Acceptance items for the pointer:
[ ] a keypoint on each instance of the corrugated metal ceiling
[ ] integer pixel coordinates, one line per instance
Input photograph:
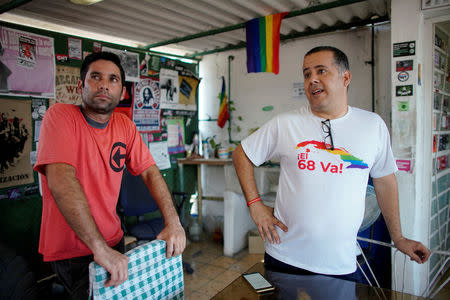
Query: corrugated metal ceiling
(150, 22)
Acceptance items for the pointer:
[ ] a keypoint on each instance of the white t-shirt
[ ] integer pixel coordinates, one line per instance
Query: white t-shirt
(321, 193)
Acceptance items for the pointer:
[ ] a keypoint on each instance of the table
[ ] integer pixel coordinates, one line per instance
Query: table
(307, 287)
(199, 162)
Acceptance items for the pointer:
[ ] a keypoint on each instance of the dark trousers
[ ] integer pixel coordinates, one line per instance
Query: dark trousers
(274, 264)
(74, 273)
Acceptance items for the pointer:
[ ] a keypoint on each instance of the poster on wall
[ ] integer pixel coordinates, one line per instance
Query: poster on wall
(129, 61)
(170, 88)
(175, 135)
(27, 64)
(146, 109)
(74, 46)
(188, 93)
(15, 138)
(66, 85)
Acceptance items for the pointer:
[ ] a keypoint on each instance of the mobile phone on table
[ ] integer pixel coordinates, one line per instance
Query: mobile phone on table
(258, 282)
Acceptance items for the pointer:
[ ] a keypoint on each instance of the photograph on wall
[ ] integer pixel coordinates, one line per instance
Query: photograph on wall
(175, 134)
(188, 93)
(146, 109)
(27, 64)
(74, 46)
(15, 138)
(66, 85)
(129, 61)
(170, 89)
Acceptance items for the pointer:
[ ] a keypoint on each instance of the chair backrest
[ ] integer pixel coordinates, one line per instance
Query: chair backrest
(151, 275)
(135, 198)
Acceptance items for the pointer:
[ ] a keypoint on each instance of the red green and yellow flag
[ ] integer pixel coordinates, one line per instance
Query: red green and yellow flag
(263, 43)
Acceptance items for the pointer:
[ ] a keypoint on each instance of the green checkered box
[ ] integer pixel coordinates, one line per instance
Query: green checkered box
(150, 275)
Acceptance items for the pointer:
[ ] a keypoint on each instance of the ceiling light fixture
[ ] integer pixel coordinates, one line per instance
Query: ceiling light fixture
(85, 2)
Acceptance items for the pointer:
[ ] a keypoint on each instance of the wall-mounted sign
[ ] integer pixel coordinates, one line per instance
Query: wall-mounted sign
(404, 48)
(404, 65)
(403, 76)
(404, 90)
(403, 105)
(404, 164)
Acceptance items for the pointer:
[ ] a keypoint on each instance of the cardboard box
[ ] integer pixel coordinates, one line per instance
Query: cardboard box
(255, 243)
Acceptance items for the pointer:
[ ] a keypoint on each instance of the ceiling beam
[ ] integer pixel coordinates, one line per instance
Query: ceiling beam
(295, 35)
(308, 10)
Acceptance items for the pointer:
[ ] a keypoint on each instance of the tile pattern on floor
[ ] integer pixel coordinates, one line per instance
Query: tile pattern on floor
(212, 270)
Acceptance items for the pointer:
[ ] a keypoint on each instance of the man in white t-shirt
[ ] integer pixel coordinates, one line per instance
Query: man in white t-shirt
(327, 152)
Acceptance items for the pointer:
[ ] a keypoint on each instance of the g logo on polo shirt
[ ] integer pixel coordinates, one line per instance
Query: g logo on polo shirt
(117, 156)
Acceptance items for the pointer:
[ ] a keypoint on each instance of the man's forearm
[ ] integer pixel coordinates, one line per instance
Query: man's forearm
(245, 172)
(386, 189)
(160, 192)
(71, 201)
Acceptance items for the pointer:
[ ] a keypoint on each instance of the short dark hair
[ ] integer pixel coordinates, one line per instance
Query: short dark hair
(340, 59)
(97, 56)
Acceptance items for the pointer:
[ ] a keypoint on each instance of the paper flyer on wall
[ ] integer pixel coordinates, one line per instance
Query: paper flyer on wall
(146, 109)
(74, 46)
(27, 64)
(15, 138)
(170, 88)
(175, 135)
(188, 93)
(129, 61)
(66, 85)
(160, 153)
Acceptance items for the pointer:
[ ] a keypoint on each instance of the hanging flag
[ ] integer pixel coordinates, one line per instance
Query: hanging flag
(223, 109)
(263, 43)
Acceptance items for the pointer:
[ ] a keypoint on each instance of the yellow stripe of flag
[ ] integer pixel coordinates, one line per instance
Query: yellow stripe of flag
(269, 43)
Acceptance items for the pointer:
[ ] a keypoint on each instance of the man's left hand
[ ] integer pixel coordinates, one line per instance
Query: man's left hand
(175, 238)
(415, 250)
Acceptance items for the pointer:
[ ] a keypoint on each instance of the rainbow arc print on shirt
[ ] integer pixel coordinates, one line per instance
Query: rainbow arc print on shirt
(355, 163)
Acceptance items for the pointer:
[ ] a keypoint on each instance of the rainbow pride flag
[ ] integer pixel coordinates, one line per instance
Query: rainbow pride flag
(223, 109)
(263, 43)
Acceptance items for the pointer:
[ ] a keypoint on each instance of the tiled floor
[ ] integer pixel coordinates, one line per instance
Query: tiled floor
(212, 270)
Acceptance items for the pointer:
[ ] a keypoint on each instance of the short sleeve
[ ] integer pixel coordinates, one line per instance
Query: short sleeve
(261, 145)
(138, 157)
(384, 163)
(56, 138)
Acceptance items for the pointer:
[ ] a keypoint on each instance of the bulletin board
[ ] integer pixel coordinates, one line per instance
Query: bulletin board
(51, 62)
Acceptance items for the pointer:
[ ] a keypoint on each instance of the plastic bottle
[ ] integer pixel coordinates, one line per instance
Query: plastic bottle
(205, 149)
(194, 229)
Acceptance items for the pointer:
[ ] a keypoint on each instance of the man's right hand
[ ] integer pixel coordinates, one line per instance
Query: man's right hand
(264, 219)
(115, 263)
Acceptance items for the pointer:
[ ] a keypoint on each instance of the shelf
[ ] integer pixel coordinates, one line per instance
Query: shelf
(441, 132)
(440, 112)
(443, 152)
(440, 174)
(438, 91)
(440, 50)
